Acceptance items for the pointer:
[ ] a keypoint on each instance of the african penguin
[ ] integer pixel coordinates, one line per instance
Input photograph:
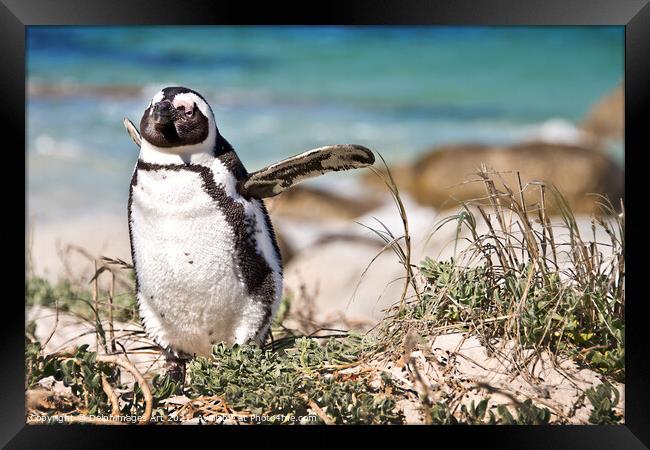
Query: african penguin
(206, 260)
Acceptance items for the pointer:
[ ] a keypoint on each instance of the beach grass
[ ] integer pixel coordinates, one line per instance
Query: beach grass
(517, 284)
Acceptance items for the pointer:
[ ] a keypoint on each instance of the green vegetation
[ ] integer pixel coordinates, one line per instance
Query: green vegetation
(526, 413)
(78, 371)
(83, 373)
(282, 384)
(602, 399)
(78, 301)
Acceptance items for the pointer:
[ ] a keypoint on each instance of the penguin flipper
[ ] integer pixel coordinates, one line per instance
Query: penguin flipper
(133, 131)
(274, 179)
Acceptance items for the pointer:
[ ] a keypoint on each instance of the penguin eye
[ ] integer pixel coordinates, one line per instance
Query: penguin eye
(190, 111)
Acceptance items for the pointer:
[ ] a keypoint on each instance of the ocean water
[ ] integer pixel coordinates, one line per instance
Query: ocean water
(278, 91)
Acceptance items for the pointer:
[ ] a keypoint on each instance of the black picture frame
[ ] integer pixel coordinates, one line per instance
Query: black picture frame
(634, 15)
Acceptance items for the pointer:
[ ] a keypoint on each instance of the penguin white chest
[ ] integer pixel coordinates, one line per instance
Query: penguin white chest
(189, 288)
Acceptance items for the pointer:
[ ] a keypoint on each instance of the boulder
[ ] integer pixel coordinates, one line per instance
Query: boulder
(448, 173)
(308, 203)
(402, 174)
(329, 279)
(286, 250)
(606, 119)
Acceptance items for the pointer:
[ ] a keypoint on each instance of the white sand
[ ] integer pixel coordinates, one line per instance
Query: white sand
(458, 364)
(53, 257)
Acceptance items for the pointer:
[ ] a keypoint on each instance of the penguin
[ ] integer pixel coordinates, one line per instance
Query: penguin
(207, 264)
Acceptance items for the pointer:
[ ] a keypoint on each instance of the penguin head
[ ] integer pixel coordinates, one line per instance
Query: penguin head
(178, 119)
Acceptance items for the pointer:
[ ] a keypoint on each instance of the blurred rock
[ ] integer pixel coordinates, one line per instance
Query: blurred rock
(338, 261)
(301, 234)
(58, 90)
(606, 120)
(328, 275)
(402, 174)
(449, 172)
(301, 202)
(286, 251)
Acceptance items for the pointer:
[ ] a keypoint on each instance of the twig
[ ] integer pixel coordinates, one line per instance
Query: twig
(95, 302)
(144, 385)
(56, 324)
(111, 330)
(112, 396)
(319, 412)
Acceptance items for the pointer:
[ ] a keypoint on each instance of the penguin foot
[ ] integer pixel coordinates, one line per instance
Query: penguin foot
(176, 370)
(175, 365)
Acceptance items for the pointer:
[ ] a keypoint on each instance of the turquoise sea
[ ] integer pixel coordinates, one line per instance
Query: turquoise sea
(277, 91)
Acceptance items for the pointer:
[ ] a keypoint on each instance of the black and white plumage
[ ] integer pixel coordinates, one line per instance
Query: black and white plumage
(207, 264)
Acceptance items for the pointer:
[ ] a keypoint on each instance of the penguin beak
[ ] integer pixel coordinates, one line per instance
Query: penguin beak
(164, 113)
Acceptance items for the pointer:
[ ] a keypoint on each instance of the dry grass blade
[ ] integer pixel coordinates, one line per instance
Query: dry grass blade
(117, 261)
(403, 252)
